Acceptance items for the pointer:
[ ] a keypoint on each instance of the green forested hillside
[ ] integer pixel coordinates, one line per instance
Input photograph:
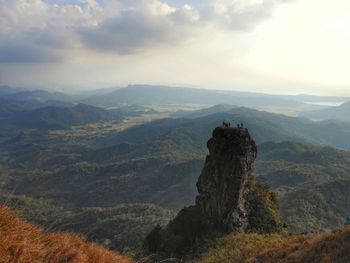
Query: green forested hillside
(36, 210)
(159, 162)
(262, 125)
(290, 164)
(312, 182)
(122, 227)
(314, 207)
(38, 95)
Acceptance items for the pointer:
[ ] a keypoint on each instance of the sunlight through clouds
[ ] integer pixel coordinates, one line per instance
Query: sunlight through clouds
(261, 45)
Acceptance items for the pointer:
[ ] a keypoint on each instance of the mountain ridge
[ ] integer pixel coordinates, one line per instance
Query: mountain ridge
(340, 113)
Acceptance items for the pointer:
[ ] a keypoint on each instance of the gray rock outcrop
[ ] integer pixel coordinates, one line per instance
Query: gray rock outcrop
(223, 183)
(229, 199)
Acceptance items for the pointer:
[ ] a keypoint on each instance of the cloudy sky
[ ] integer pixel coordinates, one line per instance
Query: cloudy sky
(275, 46)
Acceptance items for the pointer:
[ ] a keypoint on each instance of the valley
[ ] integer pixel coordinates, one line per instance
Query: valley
(113, 180)
(174, 131)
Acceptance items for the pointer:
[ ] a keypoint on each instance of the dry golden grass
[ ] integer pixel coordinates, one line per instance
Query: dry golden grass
(240, 248)
(327, 247)
(21, 242)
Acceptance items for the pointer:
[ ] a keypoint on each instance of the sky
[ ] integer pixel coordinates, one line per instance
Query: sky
(272, 46)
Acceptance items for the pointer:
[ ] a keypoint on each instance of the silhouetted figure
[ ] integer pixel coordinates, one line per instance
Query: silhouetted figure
(238, 125)
(225, 124)
(242, 125)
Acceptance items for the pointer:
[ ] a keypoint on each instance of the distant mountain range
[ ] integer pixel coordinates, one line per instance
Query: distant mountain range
(43, 110)
(202, 112)
(263, 126)
(7, 90)
(144, 94)
(341, 113)
(20, 94)
(165, 95)
(54, 117)
(8, 107)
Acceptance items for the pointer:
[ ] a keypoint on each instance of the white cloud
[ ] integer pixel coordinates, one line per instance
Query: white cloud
(28, 26)
(242, 14)
(138, 26)
(255, 44)
(113, 26)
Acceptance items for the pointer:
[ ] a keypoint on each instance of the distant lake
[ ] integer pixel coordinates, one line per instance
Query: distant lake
(326, 103)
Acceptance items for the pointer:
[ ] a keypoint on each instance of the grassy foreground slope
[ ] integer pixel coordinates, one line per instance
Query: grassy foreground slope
(122, 227)
(239, 248)
(326, 247)
(23, 242)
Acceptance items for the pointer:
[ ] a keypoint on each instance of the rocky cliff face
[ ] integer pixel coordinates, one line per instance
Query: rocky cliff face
(229, 199)
(223, 183)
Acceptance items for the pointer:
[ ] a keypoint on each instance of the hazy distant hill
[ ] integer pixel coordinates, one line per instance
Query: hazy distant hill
(53, 117)
(320, 99)
(341, 113)
(7, 90)
(262, 125)
(203, 112)
(34, 95)
(145, 94)
(165, 95)
(8, 107)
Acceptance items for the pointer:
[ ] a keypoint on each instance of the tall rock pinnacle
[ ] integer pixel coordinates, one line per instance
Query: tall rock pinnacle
(222, 185)
(229, 199)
